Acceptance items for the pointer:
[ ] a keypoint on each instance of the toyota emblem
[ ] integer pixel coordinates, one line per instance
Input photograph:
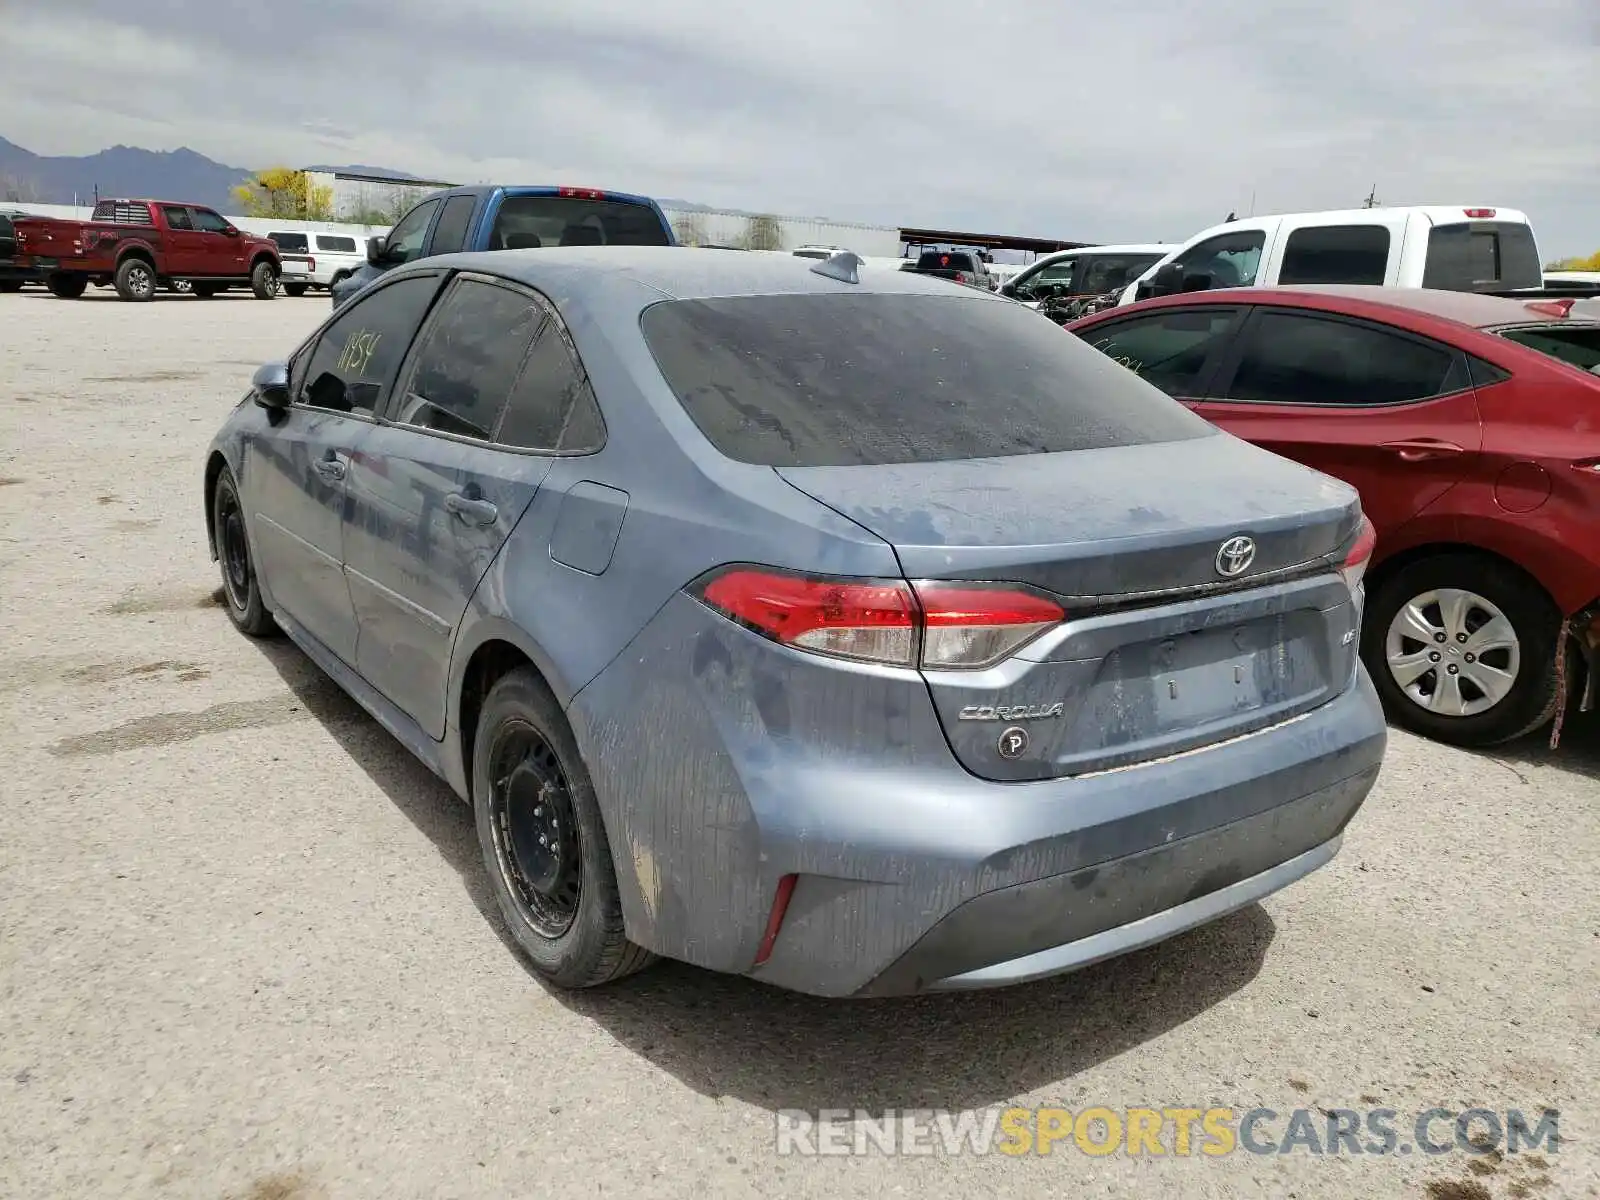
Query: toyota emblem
(1235, 555)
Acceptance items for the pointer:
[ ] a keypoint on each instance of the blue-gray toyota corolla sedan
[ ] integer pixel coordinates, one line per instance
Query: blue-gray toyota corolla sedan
(853, 632)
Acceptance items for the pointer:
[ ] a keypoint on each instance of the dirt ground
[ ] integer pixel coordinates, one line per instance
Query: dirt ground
(247, 948)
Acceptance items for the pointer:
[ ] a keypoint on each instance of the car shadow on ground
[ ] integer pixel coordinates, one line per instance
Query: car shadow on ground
(728, 1036)
(1578, 750)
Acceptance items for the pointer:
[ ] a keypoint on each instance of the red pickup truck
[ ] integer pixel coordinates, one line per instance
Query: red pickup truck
(142, 245)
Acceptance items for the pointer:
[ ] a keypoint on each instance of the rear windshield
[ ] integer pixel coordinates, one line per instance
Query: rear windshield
(532, 222)
(842, 380)
(945, 260)
(1478, 256)
(1578, 345)
(290, 243)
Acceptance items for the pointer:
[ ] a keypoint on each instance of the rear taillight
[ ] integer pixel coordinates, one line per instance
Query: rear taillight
(311, 264)
(934, 624)
(1359, 554)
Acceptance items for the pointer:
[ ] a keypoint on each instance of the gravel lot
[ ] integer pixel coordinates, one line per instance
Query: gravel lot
(247, 948)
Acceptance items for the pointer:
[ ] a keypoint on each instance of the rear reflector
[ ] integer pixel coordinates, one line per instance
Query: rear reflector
(935, 624)
(1359, 554)
(780, 906)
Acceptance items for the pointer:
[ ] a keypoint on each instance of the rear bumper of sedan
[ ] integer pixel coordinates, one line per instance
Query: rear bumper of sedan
(724, 764)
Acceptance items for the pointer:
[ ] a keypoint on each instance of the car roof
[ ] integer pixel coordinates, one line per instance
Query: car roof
(591, 273)
(1464, 308)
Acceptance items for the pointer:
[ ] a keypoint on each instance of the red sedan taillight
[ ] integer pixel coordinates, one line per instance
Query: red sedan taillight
(934, 624)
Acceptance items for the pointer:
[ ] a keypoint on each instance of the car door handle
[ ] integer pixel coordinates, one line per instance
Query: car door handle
(470, 509)
(331, 469)
(1421, 449)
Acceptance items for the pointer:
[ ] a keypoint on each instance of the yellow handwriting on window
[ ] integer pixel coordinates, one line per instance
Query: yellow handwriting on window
(359, 348)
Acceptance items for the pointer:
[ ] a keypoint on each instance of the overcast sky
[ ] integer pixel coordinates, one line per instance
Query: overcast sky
(1133, 120)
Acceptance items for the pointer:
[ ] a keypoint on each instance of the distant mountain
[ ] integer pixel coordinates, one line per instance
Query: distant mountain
(119, 171)
(131, 171)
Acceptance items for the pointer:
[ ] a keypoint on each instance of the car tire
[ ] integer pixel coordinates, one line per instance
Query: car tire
(136, 280)
(264, 281)
(1478, 589)
(295, 290)
(241, 591)
(529, 783)
(67, 287)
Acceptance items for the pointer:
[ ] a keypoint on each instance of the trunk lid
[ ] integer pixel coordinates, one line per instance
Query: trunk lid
(1160, 652)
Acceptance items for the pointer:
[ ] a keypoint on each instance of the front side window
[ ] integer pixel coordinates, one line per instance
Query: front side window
(469, 359)
(1228, 260)
(1169, 349)
(356, 358)
(177, 218)
(844, 380)
(208, 221)
(1292, 358)
(1047, 278)
(405, 239)
(1336, 254)
(1112, 272)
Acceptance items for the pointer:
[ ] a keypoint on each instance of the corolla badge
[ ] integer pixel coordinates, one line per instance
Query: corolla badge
(1235, 555)
(1012, 712)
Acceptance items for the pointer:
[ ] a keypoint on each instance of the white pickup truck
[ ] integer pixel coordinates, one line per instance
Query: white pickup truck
(1465, 249)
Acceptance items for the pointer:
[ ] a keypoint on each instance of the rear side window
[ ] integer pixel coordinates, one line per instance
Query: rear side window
(469, 360)
(552, 407)
(842, 380)
(177, 218)
(336, 245)
(289, 243)
(450, 234)
(1290, 358)
(530, 222)
(359, 354)
(1575, 345)
(1336, 254)
(1474, 256)
(1168, 349)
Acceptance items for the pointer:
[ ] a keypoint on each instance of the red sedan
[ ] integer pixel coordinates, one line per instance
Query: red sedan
(1471, 427)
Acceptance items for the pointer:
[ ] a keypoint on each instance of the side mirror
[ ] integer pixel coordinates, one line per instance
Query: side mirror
(269, 386)
(230, 231)
(1168, 280)
(377, 250)
(1008, 289)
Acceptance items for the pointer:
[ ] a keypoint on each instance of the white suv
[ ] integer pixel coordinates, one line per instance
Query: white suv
(316, 260)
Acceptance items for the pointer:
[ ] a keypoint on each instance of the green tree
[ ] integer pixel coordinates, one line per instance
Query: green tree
(284, 193)
(1592, 263)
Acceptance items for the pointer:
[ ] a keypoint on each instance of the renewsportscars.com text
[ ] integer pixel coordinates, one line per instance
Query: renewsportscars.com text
(1179, 1132)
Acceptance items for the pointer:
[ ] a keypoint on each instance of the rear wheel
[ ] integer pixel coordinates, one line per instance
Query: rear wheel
(1462, 649)
(543, 841)
(294, 289)
(264, 281)
(136, 280)
(67, 287)
(240, 590)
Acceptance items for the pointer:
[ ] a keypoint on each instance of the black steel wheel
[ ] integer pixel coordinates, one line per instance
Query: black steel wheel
(241, 592)
(543, 840)
(535, 831)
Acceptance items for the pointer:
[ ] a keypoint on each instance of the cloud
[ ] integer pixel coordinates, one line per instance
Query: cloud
(1141, 121)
